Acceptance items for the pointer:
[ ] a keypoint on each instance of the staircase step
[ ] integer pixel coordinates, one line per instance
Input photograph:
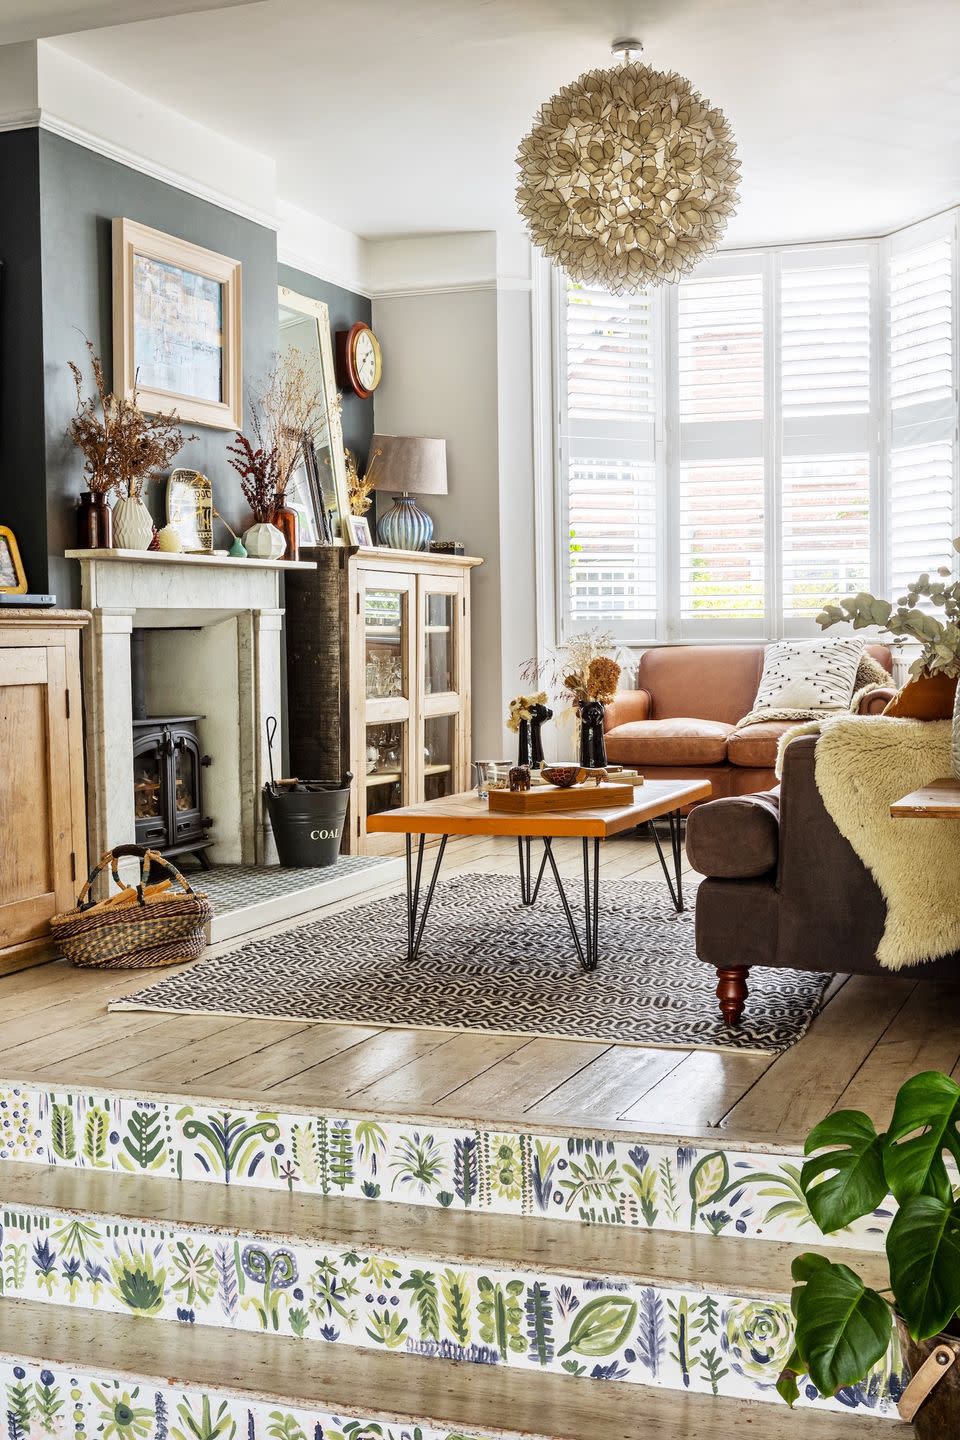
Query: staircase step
(655, 1309)
(111, 1376)
(554, 1173)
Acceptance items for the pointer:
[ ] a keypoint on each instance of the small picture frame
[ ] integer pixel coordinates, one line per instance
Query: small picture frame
(13, 580)
(360, 530)
(190, 510)
(301, 496)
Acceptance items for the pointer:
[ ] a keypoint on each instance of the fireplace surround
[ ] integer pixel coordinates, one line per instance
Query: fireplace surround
(214, 657)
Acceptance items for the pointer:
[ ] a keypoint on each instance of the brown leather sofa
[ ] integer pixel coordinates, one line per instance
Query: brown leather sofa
(784, 887)
(679, 723)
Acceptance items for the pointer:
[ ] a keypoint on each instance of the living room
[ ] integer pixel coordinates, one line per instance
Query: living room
(479, 639)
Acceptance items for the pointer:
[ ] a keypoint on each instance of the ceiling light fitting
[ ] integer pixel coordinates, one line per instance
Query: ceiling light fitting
(628, 177)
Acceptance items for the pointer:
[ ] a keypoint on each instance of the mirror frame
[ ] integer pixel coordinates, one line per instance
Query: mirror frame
(320, 312)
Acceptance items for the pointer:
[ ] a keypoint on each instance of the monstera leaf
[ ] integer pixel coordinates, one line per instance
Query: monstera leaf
(923, 1248)
(843, 1328)
(928, 1103)
(848, 1181)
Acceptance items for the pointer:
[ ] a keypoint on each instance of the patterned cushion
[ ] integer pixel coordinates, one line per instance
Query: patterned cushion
(809, 675)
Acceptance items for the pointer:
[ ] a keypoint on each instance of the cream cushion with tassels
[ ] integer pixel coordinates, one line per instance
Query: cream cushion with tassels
(863, 764)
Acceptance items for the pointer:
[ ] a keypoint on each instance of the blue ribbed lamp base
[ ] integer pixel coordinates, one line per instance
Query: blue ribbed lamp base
(406, 526)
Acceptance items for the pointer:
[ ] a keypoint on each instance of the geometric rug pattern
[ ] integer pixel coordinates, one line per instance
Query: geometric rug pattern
(489, 963)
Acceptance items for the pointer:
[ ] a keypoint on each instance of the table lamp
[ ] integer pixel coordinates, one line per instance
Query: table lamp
(407, 465)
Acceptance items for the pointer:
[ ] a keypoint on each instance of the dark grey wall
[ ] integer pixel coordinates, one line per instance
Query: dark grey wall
(346, 309)
(22, 484)
(80, 193)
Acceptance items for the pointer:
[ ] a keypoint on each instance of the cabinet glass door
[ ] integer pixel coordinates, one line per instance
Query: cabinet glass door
(385, 683)
(385, 623)
(440, 746)
(442, 611)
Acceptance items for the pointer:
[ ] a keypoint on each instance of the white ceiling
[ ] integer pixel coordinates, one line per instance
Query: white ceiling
(401, 118)
(33, 19)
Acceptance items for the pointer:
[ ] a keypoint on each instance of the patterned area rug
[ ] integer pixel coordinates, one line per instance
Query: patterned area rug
(489, 964)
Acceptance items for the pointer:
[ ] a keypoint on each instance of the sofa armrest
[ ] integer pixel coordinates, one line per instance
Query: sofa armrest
(627, 705)
(877, 701)
(736, 838)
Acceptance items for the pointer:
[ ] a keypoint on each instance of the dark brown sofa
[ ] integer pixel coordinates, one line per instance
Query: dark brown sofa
(784, 887)
(679, 723)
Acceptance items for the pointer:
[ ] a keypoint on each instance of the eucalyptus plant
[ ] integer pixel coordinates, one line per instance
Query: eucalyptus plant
(842, 1326)
(939, 639)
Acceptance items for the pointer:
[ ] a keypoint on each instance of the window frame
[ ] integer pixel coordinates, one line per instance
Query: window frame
(875, 427)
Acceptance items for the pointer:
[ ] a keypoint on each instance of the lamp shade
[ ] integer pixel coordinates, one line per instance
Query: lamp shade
(408, 464)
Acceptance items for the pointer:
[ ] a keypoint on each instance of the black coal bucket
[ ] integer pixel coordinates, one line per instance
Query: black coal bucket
(307, 824)
(306, 815)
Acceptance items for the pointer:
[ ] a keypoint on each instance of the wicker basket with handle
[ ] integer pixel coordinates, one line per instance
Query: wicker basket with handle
(143, 927)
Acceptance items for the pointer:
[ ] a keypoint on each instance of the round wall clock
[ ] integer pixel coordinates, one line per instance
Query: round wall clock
(359, 359)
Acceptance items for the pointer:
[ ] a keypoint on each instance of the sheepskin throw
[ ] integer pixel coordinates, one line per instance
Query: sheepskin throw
(863, 764)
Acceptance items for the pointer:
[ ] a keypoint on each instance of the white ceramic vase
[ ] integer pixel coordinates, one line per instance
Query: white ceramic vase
(264, 542)
(132, 526)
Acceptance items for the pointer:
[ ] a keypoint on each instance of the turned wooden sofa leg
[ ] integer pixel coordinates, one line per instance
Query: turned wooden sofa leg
(732, 991)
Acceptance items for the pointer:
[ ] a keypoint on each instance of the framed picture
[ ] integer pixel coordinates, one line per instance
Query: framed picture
(13, 581)
(360, 530)
(190, 510)
(303, 325)
(177, 332)
(301, 495)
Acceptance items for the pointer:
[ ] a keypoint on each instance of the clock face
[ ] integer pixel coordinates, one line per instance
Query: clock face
(366, 359)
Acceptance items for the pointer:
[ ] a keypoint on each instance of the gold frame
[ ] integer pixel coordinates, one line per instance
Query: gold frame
(318, 311)
(130, 239)
(7, 535)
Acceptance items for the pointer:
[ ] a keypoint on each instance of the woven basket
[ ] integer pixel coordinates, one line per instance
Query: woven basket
(138, 929)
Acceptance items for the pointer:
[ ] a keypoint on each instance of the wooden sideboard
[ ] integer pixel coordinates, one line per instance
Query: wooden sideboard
(378, 679)
(42, 813)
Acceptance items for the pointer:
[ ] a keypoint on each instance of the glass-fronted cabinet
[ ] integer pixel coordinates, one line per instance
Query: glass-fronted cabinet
(409, 684)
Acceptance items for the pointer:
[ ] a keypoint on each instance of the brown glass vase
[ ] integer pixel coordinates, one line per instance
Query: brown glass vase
(94, 522)
(287, 522)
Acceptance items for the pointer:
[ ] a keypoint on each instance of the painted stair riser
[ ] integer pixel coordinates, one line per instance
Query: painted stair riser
(548, 1322)
(641, 1183)
(42, 1402)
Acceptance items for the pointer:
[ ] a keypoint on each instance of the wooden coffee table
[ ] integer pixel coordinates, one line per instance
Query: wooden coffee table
(469, 815)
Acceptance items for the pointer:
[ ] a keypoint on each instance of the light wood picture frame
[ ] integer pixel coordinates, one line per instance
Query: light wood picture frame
(177, 326)
(13, 579)
(304, 324)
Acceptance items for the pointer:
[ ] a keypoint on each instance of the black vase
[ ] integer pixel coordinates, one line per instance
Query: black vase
(524, 746)
(593, 751)
(539, 713)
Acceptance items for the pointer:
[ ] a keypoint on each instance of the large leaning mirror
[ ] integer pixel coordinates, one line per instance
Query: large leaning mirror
(318, 491)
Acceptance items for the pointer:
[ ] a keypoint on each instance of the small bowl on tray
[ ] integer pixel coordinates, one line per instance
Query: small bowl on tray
(566, 773)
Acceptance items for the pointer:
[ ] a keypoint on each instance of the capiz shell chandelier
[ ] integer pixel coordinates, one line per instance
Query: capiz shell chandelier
(628, 176)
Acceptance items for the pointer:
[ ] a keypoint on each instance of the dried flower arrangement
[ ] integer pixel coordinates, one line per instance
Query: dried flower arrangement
(124, 448)
(939, 640)
(360, 487)
(521, 708)
(288, 414)
(583, 666)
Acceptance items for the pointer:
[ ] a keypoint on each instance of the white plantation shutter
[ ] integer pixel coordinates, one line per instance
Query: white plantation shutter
(828, 428)
(720, 484)
(921, 360)
(609, 503)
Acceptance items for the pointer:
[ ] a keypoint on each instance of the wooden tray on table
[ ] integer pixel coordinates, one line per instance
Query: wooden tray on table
(546, 798)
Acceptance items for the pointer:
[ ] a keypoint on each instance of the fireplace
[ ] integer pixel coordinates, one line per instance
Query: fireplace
(168, 786)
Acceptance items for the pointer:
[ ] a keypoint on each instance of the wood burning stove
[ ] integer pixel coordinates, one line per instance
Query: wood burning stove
(168, 787)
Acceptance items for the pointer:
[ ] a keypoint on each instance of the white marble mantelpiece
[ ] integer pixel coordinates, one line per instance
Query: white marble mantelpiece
(221, 660)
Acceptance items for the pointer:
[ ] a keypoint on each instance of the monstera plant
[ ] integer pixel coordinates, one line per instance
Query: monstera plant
(843, 1327)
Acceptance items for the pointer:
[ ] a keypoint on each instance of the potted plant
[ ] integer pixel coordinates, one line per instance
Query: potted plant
(287, 417)
(123, 449)
(929, 694)
(584, 670)
(843, 1327)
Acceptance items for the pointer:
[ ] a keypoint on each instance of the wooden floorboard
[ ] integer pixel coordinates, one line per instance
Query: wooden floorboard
(872, 1033)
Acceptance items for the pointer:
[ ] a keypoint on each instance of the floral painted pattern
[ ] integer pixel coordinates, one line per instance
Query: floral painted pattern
(600, 1327)
(637, 1184)
(42, 1402)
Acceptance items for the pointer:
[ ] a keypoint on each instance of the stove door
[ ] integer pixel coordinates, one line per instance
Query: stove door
(149, 790)
(187, 790)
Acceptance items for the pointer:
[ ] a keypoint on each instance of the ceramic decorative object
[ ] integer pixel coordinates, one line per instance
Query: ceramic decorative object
(539, 714)
(132, 525)
(264, 542)
(169, 540)
(593, 751)
(562, 775)
(237, 551)
(925, 697)
(406, 526)
(519, 777)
